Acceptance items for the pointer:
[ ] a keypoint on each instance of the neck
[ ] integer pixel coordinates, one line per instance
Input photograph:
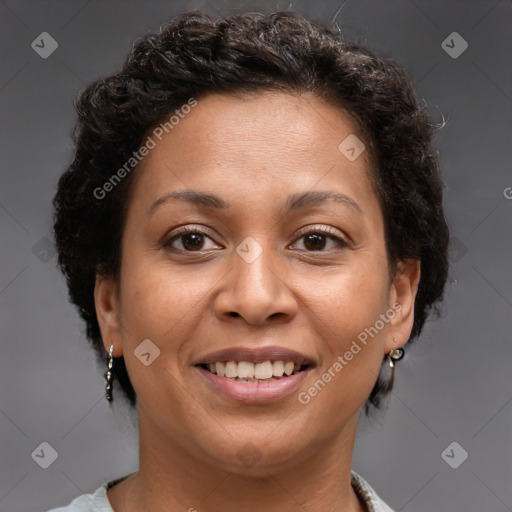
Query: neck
(170, 478)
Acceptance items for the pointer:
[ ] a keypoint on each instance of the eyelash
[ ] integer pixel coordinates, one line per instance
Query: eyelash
(326, 231)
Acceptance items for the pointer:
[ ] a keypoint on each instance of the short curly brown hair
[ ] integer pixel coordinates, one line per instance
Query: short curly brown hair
(197, 54)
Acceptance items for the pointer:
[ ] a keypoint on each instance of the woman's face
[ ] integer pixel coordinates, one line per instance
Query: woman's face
(258, 281)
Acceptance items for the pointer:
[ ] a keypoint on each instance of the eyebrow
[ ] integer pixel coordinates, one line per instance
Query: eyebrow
(294, 202)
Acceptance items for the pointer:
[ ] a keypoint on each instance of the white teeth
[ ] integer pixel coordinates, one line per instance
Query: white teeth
(263, 370)
(220, 368)
(231, 370)
(250, 372)
(278, 368)
(288, 368)
(246, 370)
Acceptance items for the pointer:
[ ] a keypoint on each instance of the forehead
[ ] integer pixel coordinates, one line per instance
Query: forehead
(255, 146)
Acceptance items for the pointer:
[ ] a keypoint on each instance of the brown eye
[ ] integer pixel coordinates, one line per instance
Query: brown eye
(190, 239)
(317, 239)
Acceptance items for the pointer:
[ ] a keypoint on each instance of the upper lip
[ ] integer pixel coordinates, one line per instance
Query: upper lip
(256, 355)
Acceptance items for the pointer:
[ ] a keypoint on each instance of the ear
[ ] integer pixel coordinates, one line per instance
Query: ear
(402, 298)
(107, 306)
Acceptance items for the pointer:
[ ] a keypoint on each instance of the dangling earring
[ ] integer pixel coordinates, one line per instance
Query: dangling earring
(395, 355)
(109, 375)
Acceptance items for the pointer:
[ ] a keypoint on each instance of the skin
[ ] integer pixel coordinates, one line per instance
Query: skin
(252, 152)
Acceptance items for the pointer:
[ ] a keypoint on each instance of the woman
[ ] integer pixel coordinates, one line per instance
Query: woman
(252, 229)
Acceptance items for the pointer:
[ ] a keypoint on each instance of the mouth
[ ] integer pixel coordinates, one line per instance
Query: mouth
(246, 371)
(253, 376)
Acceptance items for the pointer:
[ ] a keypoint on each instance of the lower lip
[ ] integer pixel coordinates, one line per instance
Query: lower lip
(254, 392)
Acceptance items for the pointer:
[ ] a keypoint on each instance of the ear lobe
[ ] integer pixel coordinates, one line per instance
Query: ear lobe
(403, 291)
(107, 311)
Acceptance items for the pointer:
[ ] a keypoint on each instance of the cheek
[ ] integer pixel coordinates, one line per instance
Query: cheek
(166, 306)
(353, 298)
(156, 297)
(349, 310)
(156, 305)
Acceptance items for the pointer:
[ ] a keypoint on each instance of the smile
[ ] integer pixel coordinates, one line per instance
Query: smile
(254, 375)
(245, 371)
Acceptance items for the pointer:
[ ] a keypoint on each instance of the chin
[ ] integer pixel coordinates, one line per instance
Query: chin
(259, 456)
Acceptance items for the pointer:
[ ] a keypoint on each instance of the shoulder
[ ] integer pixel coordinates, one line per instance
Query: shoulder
(95, 502)
(373, 501)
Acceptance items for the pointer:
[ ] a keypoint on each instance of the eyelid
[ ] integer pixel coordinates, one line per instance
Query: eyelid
(192, 227)
(328, 230)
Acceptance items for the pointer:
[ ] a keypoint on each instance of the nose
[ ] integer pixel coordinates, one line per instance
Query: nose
(257, 291)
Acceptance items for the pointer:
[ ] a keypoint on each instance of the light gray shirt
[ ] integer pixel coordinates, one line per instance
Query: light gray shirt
(98, 501)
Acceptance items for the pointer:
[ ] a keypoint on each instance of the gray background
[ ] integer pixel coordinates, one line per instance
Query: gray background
(454, 385)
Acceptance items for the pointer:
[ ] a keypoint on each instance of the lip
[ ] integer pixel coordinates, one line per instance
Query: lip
(253, 392)
(256, 355)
